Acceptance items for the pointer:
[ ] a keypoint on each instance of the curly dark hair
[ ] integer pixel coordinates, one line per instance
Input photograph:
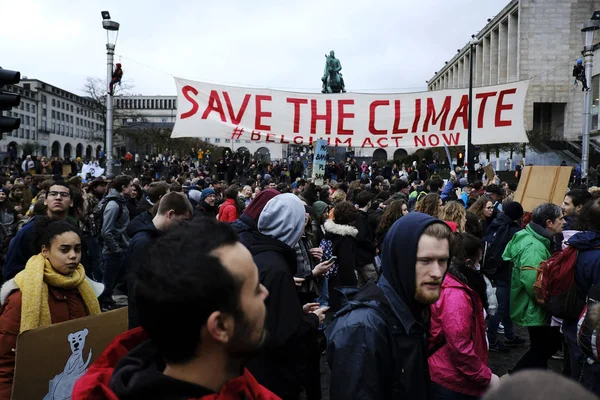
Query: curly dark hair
(345, 213)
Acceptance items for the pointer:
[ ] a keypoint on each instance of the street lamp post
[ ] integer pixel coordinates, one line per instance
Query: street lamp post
(112, 32)
(469, 150)
(589, 29)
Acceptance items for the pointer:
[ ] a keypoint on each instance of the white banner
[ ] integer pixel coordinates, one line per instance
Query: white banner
(319, 162)
(410, 120)
(93, 169)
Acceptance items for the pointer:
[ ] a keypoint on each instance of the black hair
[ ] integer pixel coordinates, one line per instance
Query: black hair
(120, 181)
(579, 197)
(589, 218)
(435, 185)
(182, 284)
(46, 229)
(63, 184)
(363, 198)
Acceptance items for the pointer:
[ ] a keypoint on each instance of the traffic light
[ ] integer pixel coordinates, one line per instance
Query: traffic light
(460, 159)
(9, 100)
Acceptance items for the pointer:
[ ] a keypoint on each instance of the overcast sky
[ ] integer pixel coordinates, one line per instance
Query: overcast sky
(382, 44)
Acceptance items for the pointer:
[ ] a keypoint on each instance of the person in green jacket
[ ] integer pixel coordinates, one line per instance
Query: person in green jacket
(527, 249)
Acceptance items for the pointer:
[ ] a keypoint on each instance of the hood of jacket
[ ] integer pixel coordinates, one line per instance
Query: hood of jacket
(256, 206)
(113, 194)
(500, 221)
(283, 219)
(142, 223)
(399, 257)
(340, 230)
(585, 240)
(131, 368)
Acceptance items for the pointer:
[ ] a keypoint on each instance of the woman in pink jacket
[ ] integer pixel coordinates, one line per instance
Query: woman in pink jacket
(458, 345)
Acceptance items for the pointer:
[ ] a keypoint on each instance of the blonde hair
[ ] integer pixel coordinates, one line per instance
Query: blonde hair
(455, 212)
(338, 196)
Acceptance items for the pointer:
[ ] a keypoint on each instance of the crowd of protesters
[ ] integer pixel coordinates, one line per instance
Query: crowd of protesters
(240, 276)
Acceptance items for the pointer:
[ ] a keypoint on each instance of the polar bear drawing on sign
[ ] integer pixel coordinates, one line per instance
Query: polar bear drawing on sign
(61, 386)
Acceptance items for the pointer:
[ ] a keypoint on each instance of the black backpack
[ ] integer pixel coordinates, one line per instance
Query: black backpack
(96, 218)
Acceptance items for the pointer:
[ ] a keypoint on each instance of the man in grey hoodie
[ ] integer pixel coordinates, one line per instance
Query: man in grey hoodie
(114, 237)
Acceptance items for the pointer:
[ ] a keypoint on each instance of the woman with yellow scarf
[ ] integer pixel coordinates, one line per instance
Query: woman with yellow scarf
(52, 288)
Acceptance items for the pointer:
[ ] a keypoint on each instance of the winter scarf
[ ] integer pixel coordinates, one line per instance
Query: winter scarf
(33, 283)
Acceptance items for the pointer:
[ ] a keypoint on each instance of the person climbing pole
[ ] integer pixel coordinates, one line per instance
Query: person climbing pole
(579, 74)
(116, 78)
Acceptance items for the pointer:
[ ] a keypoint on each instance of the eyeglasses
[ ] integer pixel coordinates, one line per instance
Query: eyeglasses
(59, 194)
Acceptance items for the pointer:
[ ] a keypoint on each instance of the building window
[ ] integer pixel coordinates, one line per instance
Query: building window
(27, 120)
(32, 108)
(71, 107)
(53, 127)
(21, 132)
(44, 125)
(71, 119)
(53, 102)
(217, 140)
(27, 133)
(53, 114)
(227, 140)
(27, 107)
(44, 98)
(22, 107)
(33, 121)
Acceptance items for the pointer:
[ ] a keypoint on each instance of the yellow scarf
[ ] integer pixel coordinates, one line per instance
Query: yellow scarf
(33, 283)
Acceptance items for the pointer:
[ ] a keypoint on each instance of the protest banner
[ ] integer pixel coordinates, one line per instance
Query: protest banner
(49, 360)
(408, 120)
(539, 185)
(319, 162)
(93, 169)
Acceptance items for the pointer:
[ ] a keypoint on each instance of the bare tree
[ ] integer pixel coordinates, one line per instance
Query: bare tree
(97, 90)
(149, 139)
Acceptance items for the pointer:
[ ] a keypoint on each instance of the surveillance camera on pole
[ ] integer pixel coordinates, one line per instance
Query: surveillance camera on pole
(9, 100)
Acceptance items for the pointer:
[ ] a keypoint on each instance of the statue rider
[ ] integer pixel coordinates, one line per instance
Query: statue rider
(332, 71)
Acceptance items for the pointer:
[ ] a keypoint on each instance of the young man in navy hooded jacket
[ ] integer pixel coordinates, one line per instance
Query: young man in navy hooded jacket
(377, 346)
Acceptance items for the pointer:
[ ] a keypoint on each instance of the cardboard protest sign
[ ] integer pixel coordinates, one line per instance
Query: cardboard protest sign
(66, 170)
(49, 360)
(540, 185)
(319, 162)
(366, 120)
(489, 172)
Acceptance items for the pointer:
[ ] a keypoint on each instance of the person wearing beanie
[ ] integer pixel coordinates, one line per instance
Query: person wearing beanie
(207, 207)
(282, 364)
(514, 211)
(500, 232)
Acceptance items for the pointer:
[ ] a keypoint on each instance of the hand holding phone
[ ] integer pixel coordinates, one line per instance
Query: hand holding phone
(323, 267)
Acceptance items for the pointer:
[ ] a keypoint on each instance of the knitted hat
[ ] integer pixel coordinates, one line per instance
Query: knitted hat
(267, 177)
(514, 211)
(319, 208)
(257, 205)
(207, 192)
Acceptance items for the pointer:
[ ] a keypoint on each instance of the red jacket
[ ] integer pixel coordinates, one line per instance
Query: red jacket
(228, 211)
(95, 384)
(64, 304)
(458, 326)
